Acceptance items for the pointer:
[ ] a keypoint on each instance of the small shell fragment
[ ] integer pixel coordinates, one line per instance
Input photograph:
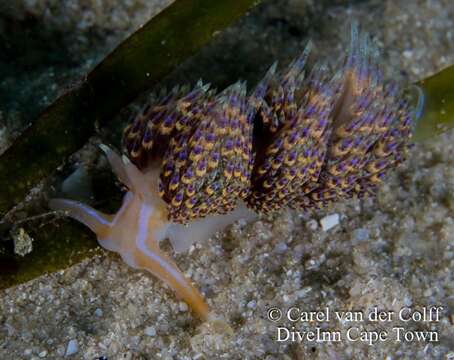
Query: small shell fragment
(329, 221)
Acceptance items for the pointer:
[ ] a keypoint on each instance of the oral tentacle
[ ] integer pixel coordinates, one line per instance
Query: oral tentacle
(148, 256)
(162, 267)
(97, 221)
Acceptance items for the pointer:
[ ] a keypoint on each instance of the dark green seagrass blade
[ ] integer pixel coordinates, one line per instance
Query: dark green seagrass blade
(436, 105)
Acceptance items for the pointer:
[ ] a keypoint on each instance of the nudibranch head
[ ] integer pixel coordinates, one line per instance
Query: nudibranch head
(196, 159)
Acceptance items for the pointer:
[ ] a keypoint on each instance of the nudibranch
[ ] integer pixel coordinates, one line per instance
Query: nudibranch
(197, 160)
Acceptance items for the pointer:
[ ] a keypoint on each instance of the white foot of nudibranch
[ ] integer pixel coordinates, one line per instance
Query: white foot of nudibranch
(136, 229)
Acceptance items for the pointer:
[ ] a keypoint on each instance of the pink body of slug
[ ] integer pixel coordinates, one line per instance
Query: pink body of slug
(141, 223)
(202, 159)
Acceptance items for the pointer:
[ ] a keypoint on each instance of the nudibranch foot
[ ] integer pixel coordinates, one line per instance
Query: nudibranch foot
(136, 229)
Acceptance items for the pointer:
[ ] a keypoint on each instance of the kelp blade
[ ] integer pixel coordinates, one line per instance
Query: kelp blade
(438, 105)
(54, 248)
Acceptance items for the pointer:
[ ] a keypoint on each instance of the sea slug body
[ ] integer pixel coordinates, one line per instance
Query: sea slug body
(198, 160)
